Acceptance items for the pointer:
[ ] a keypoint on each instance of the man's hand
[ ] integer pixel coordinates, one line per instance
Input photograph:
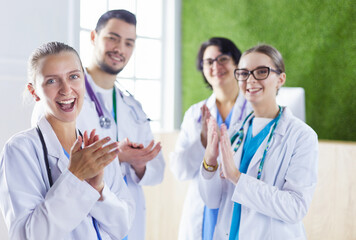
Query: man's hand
(137, 155)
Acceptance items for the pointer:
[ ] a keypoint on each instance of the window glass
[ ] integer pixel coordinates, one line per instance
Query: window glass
(127, 84)
(123, 4)
(90, 11)
(128, 71)
(148, 58)
(86, 48)
(149, 18)
(148, 92)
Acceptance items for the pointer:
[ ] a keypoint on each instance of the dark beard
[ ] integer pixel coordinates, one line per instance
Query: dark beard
(104, 67)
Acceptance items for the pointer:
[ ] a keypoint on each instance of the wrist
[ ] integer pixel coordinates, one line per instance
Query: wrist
(210, 168)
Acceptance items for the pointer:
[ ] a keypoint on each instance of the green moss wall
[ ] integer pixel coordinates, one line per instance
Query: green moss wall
(316, 38)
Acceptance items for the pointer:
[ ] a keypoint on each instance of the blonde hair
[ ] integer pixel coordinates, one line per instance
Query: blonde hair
(271, 52)
(50, 48)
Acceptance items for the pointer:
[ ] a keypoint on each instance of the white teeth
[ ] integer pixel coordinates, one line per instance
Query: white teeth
(116, 58)
(66, 101)
(253, 90)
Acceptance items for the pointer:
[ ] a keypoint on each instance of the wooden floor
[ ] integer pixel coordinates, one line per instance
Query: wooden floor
(332, 214)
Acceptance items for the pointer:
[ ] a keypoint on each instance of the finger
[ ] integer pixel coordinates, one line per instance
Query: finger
(86, 140)
(139, 146)
(214, 140)
(208, 114)
(149, 146)
(102, 151)
(223, 132)
(152, 154)
(96, 138)
(97, 145)
(76, 146)
(92, 137)
(107, 158)
(202, 110)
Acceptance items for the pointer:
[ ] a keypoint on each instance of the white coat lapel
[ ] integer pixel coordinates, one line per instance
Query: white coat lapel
(211, 104)
(53, 145)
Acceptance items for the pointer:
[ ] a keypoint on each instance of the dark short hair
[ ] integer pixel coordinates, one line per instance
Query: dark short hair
(226, 46)
(120, 14)
(46, 49)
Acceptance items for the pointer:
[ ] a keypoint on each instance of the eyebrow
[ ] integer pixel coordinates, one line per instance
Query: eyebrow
(118, 35)
(253, 69)
(71, 72)
(216, 57)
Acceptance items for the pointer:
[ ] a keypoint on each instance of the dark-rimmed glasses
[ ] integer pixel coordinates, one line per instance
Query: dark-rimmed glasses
(260, 73)
(222, 59)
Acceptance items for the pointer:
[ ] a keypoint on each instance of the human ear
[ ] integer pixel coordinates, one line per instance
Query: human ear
(281, 80)
(31, 89)
(93, 35)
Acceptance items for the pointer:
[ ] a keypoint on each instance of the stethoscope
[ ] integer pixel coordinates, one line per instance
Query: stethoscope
(49, 173)
(45, 155)
(104, 121)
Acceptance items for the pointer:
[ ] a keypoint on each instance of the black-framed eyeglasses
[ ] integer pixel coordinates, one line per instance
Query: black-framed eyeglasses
(260, 73)
(222, 59)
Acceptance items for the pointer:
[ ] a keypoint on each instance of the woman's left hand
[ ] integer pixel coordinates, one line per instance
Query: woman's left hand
(96, 182)
(228, 166)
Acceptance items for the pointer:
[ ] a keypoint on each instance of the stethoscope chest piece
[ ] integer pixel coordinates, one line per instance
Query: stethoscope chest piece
(104, 122)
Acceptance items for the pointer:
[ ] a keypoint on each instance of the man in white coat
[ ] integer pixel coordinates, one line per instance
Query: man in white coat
(114, 40)
(112, 113)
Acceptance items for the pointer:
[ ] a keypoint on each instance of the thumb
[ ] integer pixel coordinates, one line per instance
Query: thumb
(76, 145)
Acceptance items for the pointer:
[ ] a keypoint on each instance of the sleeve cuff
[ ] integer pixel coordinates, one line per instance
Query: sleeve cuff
(206, 174)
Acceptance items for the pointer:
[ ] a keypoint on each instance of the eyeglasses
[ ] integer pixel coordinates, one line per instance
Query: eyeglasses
(221, 60)
(260, 73)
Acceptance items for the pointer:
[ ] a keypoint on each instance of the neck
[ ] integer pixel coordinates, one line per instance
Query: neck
(266, 110)
(101, 78)
(65, 132)
(225, 99)
(226, 95)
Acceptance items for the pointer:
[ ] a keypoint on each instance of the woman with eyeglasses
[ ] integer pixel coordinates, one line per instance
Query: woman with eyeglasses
(217, 59)
(56, 183)
(267, 167)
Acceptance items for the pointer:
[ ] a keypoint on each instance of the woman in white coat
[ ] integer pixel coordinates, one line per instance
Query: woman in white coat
(51, 186)
(217, 59)
(268, 169)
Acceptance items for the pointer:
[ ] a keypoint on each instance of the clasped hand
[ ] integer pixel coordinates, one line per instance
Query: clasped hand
(227, 166)
(88, 163)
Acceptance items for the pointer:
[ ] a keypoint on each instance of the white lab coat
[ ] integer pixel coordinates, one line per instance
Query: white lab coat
(273, 207)
(187, 157)
(33, 210)
(132, 124)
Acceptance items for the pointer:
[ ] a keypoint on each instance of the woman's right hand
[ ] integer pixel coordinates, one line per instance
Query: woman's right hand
(212, 147)
(205, 115)
(89, 161)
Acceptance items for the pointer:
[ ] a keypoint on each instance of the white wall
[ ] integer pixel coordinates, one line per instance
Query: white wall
(24, 26)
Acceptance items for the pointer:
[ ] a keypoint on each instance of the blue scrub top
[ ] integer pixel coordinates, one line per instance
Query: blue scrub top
(249, 149)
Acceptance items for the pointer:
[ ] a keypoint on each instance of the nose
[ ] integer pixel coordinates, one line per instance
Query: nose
(65, 88)
(215, 65)
(119, 46)
(251, 78)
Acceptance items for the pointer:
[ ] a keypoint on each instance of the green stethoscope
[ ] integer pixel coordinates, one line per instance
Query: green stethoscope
(240, 136)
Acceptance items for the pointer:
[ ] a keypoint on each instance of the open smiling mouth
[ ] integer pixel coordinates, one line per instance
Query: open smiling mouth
(116, 57)
(253, 90)
(67, 105)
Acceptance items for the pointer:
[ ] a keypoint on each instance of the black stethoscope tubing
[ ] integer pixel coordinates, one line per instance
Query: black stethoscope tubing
(45, 155)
